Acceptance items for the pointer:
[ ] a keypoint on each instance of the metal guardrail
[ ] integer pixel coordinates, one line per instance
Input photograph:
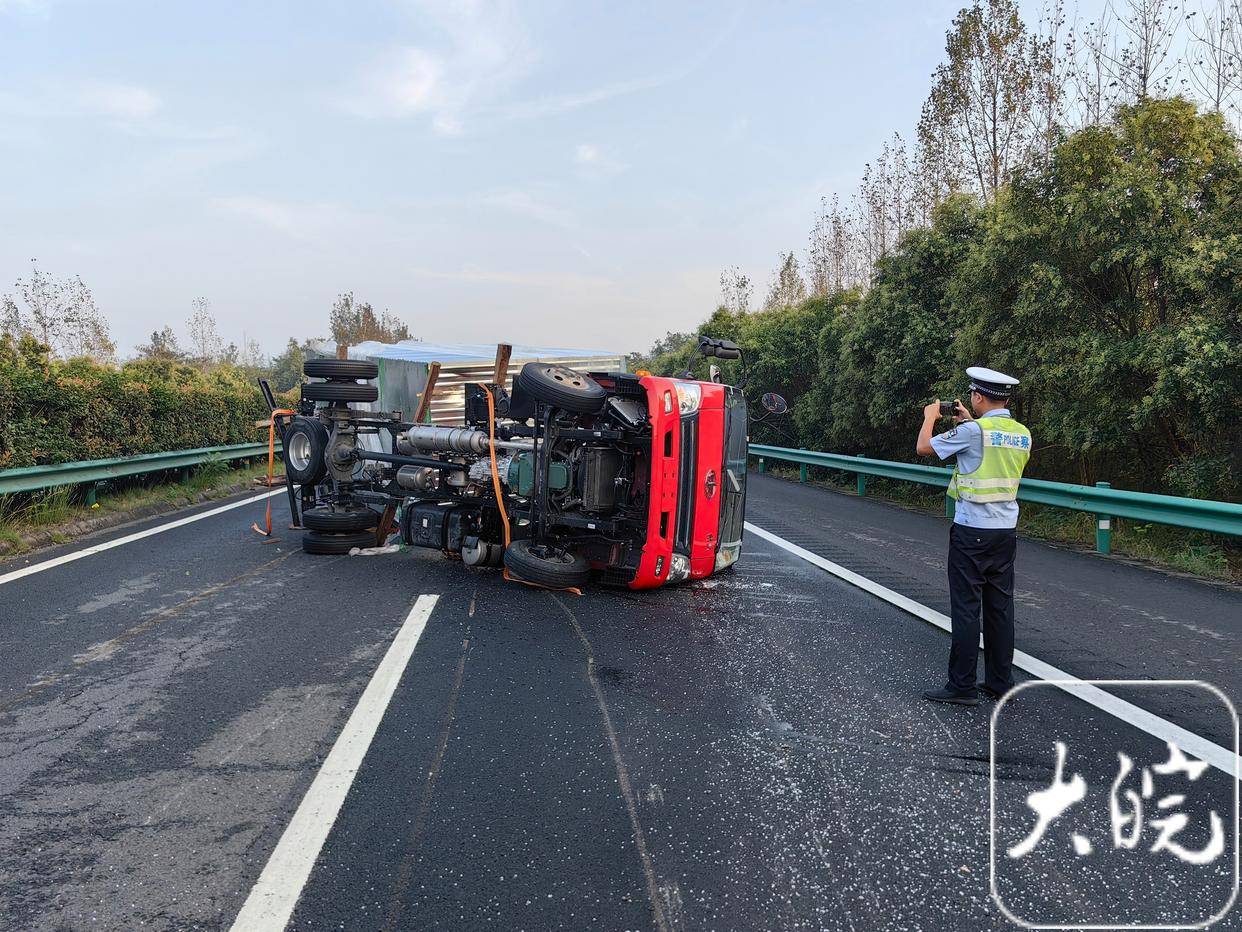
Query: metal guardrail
(1104, 502)
(92, 472)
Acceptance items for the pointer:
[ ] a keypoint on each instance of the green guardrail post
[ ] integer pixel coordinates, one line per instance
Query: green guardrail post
(802, 472)
(1103, 528)
(92, 495)
(949, 508)
(862, 482)
(763, 467)
(185, 474)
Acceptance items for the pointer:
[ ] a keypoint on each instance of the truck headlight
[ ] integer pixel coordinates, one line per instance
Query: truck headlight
(678, 567)
(726, 556)
(689, 396)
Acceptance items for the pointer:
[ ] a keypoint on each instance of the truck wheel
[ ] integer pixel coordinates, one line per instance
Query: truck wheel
(348, 369)
(323, 543)
(340, 520)
(339, 391)
(546, 565)
(562, 387)
(303, 446)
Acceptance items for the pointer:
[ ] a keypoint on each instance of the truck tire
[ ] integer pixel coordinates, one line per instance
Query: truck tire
(545, 565)
(339, 520)
(562, 387)
(339, 391)
(347, 369)
(302, 447)
(322, 543)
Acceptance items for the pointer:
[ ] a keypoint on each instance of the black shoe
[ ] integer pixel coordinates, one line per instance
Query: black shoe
(990, 694)
(947, 695)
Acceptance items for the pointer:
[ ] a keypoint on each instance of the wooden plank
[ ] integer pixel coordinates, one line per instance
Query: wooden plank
(433, 373)
(501, 373)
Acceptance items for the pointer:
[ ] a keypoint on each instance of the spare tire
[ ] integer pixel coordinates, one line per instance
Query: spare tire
(323, 543)
(349, 369)
(562, 387)
(547, 565)
(339, 391)
(302, 447)
(336, 519)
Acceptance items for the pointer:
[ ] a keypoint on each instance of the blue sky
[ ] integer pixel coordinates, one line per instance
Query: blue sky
(568, 173)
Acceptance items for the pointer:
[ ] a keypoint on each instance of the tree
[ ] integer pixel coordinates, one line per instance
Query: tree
(979, 110)
(354, 322)
(251, 356)
(1111, 277)
(735, 290)
(286, 368)
(60, 314)
(205, 342)
(1213, 63)
(833, 257)
(1050, 68)
(787, 288)
(1090, 50)
(1141, 67)
(162, 347)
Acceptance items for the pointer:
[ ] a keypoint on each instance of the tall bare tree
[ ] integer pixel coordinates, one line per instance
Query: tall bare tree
(980, 104)
(61, 314)
(735, 290)
(205, 342)
(1091, 48)
(832, 256)
(1141, 65)
(1212, 62)
(1050, 75)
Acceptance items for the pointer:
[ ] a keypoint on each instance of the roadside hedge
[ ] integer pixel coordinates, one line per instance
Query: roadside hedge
(59, 412)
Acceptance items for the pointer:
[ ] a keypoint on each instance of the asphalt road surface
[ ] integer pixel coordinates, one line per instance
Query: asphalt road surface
(178, 715)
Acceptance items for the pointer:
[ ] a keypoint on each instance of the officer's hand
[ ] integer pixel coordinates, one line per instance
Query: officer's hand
(932, 410)
(962, 414)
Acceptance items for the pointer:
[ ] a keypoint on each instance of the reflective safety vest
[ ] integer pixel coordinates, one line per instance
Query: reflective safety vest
(1006, 448)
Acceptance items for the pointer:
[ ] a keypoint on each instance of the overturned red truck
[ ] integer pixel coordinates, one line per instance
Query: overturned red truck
(633, 480)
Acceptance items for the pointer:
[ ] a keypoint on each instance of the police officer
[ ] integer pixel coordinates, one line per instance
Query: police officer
(992, 449)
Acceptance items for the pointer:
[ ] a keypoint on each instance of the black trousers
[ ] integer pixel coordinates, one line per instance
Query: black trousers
(981, 586)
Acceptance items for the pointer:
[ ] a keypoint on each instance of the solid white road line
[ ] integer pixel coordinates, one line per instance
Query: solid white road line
(130, 538)
(276, 892)
(1224, 759)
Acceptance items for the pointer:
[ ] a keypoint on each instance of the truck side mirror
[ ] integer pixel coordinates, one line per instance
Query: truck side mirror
(774, 403)
(721, 349)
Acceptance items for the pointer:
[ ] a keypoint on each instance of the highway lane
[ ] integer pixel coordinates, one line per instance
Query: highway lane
(1091, 616)
(750, 752)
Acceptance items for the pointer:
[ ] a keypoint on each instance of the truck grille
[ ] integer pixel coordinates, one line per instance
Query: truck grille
(733, 482)
(687, 483)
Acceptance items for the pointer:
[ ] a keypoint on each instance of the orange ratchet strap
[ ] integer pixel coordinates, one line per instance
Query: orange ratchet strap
(271, 467)
(500, 499)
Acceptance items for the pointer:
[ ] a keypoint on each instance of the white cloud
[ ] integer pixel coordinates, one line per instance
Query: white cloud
(482, 50)
(555, 104)
(593, 162)
(524, 204)
(126, 102)
(304, 222)
(41, 7)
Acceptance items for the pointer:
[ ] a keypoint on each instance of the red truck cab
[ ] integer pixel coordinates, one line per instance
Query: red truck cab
(697, 482)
